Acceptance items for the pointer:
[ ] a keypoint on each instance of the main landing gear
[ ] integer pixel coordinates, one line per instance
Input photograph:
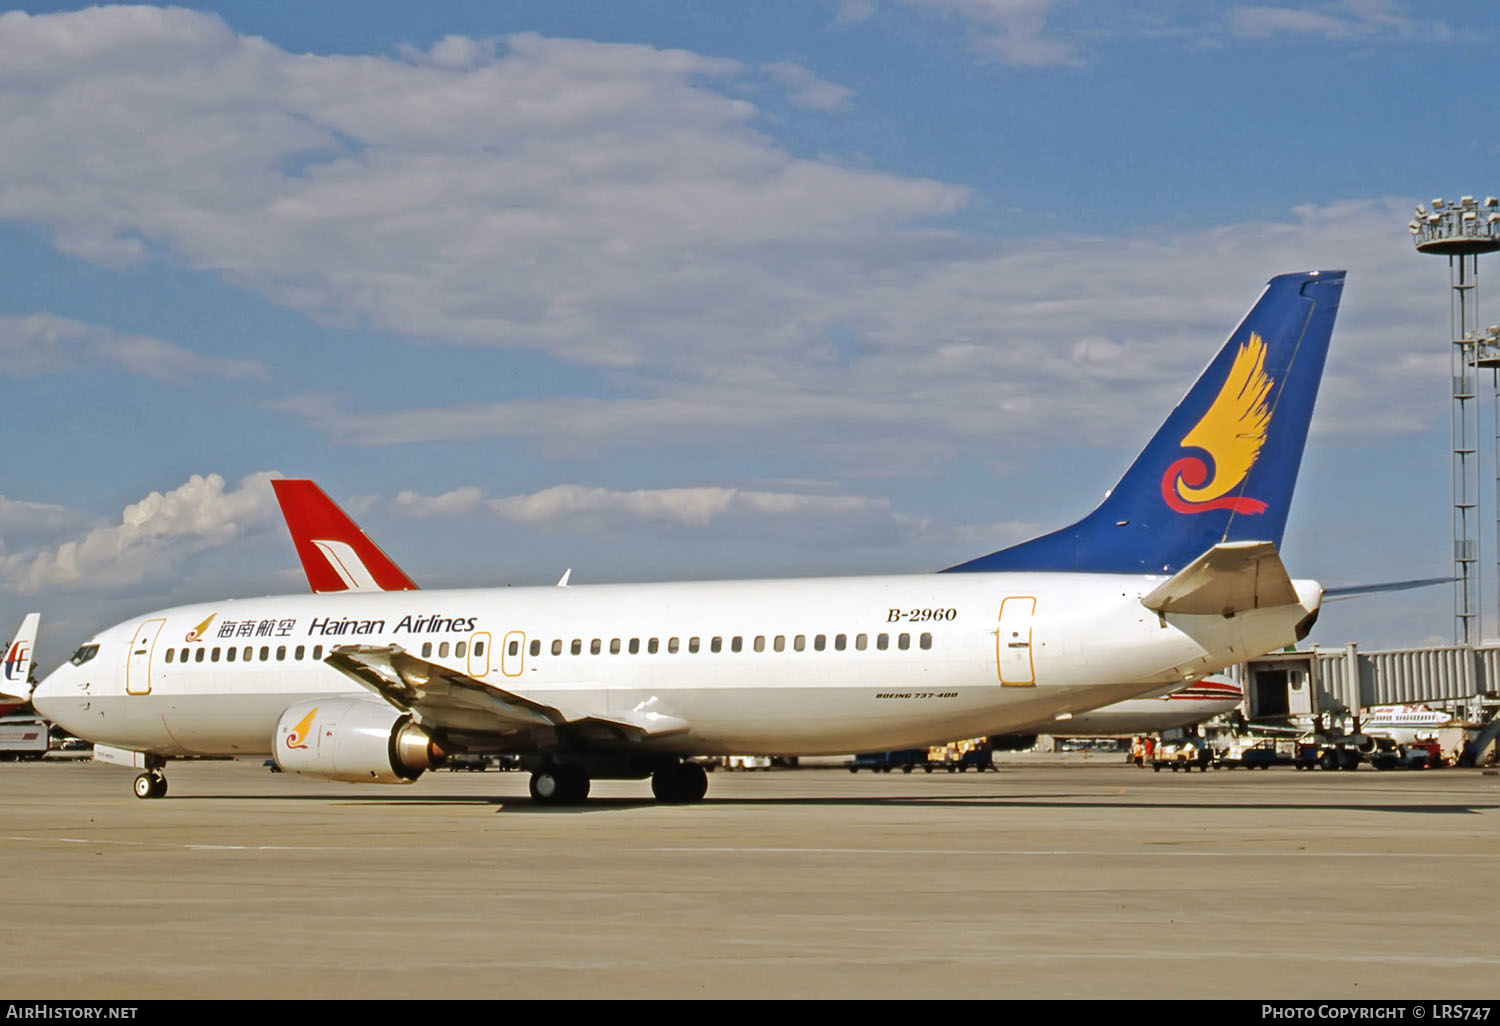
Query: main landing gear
(151, 784)
(559, 785)
(568, 784)
(683, 782)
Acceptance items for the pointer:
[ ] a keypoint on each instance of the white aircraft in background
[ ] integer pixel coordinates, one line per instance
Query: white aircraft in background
(15, 671)
(337, 555)
(1175, 575)
(1173, 708)
(1405, 724)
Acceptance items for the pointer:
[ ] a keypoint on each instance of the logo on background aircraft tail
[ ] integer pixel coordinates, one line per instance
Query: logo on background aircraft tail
(336, 555)
(15, 672)
(1223, 466)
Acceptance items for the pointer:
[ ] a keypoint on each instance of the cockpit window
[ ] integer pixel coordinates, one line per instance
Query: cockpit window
(84, 654)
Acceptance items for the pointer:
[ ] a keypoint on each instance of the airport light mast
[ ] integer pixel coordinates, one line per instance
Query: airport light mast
(1462, 231)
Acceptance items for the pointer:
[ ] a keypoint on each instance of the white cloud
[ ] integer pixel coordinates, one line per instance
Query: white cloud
(807, 90)
(688, 507)
(46, 344)
(993, 346)
(548, 193)
(30, 515)
(1348, 19)
(454, 503)
(151, 537)
(1013, 30)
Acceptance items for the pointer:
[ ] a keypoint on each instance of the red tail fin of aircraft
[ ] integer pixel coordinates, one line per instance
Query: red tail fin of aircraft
(335, 553)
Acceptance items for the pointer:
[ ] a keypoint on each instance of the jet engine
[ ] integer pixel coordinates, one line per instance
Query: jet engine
(355, 740)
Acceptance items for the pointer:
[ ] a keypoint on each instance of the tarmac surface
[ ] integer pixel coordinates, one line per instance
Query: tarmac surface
(1056, 877)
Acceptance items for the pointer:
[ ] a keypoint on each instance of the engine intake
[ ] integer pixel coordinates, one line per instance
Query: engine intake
(355, 740)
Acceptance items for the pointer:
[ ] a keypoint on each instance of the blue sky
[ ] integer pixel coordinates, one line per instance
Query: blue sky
(661, 290)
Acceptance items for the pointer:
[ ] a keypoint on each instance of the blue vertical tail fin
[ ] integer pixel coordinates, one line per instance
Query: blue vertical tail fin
(1223, 465)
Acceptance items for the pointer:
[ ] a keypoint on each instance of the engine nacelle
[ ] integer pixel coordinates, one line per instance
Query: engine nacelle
(354, 740)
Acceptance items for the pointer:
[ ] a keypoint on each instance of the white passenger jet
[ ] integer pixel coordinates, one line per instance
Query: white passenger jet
(1173, 707)
(1175, 575)
(338, 555)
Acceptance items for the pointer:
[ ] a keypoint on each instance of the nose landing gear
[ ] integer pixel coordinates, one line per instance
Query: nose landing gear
(152, 784)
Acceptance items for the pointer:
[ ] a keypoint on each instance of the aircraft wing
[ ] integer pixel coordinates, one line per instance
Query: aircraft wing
(1228, 578)
(445, 699)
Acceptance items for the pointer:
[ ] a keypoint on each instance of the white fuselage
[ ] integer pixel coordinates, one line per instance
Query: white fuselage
(774, 667)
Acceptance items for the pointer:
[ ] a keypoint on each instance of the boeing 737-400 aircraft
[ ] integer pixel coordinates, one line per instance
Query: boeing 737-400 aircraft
(1175, 575)
(337, 555)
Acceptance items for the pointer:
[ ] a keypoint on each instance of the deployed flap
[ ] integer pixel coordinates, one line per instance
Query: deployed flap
(447, 699)
(1228, 578)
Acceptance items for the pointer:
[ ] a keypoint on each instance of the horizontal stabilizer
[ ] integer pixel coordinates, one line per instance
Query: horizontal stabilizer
(1227, 579)
(1354, 590)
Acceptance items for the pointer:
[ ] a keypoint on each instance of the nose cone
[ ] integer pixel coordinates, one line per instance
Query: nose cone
(47, 696)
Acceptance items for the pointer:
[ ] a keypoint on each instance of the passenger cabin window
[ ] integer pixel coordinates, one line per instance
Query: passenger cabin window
(245, 655)
(903, 642)
(300, 652)
(198, 657)
(672, 645)
(760, 643)
(652, 646)
(536, 647)
(231, 654)
(596, 646)
(280, 653)
(557, 646)
(443, 650)
(318, 652)
(860, 642)
(169, 655)
(461, 648)
(800, 642)
(692, 644)
(577, 647)
(635, 646)
(882, 641)
(614, 646)
(926, 641)
(820, 643)
(716, 645)
(781, 642)
(214, 655)
(839, 641)
(265, 653)
(736, 644)
(426, 650)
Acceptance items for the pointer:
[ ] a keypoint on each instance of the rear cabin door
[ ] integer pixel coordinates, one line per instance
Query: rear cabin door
(1013, 641)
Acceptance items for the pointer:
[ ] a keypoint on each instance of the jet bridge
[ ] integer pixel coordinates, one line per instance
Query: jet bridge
(1319, 681)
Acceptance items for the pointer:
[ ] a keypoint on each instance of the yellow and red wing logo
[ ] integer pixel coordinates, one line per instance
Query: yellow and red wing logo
(297, 736)
(196, 634)
(1232, 432)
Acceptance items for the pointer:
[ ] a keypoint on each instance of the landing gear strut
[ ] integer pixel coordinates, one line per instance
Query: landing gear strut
(152, 784)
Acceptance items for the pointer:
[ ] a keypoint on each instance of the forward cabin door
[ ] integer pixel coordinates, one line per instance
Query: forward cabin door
(138, 662)
(1013, 641)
